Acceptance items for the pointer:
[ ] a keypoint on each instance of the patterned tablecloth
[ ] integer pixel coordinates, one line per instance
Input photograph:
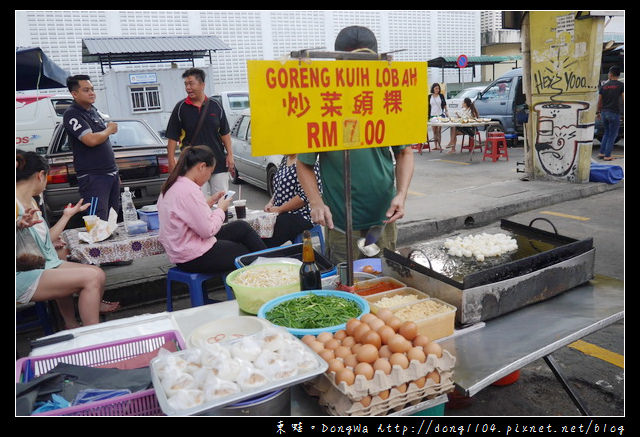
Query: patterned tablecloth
(123, 247)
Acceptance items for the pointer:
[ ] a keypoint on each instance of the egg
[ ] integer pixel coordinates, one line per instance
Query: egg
(408, 330)
(383, 365)
(376, 324)
(323, 337)
(327, 354)
(365, 401)
(421, 340)
(348, 341)
(350, 361)
(433, 348)
(316, 346)
(398, 343)
(368, 317)
(417, 353)
(420, 382)
(373, 338)
(332, 344)
(368, 353)
(342, 351)
(340, 335)
(351, 326)
(402, 388)
(307, 339)
(335, 365)
(355, 348)
(384, 394)
(434, 376)
(364, 369)
(360, 331)
(369, 269)
(384, 314)
(345, 375)
(399, 359)
(386, 332)
(384, 351)
(395, 323)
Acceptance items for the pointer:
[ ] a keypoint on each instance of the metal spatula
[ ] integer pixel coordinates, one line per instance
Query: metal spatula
(373, 235)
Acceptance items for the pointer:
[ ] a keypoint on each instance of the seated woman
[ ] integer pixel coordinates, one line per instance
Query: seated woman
(290, 202)
(58, 280)
(193, 235)
(468, 111)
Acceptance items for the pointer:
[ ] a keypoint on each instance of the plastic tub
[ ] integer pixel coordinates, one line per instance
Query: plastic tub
(378, 285)
(249, 298)
(434, 326)
(364, 306)
(142, 403)
(291, 251)
(150, 218)
(406, 291)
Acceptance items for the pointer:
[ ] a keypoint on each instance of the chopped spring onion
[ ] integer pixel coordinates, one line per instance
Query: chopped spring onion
(312, 311)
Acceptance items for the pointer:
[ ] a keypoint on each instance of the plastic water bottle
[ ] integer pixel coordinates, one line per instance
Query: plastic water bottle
(129, 212)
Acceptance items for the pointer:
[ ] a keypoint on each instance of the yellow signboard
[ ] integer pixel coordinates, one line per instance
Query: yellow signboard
(319, 106)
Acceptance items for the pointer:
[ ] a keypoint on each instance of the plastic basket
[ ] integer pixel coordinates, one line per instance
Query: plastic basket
(142, 403)
(150, 218)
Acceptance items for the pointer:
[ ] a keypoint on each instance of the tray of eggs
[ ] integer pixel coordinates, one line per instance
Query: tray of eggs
(377, 353)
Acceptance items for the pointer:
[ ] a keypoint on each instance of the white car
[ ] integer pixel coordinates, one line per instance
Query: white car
(455, 103)
(256, 170)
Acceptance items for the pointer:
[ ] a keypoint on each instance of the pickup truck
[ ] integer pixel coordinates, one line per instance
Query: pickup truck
(141, 157)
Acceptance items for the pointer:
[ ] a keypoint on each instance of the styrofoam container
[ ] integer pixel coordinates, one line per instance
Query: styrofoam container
(374, 299)
(435, 326)
(227, 329)
(364, 306)
(249, 298)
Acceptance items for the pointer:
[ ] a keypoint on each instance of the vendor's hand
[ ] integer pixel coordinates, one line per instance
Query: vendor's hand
(213, 199)
(28, 219)
(71, 210)
(396, 209)
(268, 206)
(231, 165)
(321, 215)
(59, 243)
(224, 204)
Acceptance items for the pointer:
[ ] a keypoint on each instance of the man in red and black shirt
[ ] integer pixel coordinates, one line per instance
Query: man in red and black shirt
(214, 132)
(610, 100)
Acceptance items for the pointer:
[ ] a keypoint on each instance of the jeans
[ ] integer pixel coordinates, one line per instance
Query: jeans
(611, 122)
(105, 187)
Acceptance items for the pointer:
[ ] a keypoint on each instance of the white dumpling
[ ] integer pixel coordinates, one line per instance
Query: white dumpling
(214, 388)
(265, 359)
(247, 349)
(229, 369)
(173, 383)
(250, 378)
(185, 399)
(281, 369)
(272, 340)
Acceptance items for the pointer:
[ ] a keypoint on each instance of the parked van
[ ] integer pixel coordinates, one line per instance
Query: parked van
(233, 103)
(502, 99)
(37, 115)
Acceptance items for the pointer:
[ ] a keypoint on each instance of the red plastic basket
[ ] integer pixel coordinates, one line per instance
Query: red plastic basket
(142, 403)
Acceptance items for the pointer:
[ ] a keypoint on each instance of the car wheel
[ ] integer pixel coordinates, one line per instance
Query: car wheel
(271, 175)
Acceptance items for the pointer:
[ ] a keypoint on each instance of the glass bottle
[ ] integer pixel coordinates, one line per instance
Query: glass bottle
(310, 278)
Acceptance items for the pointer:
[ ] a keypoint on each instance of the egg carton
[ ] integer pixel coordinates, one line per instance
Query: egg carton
(363, 387)
(337, 403)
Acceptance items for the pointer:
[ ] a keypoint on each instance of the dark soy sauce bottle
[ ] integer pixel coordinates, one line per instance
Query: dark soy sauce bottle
(309, 272)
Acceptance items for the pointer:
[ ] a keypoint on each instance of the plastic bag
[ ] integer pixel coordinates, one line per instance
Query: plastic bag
(28, 254)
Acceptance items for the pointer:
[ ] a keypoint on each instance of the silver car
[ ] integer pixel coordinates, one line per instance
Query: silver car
(455, 103)
(256, 170)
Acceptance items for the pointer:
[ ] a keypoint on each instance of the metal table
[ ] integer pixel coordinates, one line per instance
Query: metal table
(506, 344)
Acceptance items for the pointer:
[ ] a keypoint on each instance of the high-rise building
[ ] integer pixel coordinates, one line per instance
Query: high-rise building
(258, 34)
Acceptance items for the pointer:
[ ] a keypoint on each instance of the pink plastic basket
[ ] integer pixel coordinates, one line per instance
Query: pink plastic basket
(142, 403)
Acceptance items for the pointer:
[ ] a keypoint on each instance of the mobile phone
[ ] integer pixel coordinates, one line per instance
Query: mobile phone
(230, 193)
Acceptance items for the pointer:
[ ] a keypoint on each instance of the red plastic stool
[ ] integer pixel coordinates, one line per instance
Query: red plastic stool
(507, 380)
(472, 146)
(421, 146)
(496, 146)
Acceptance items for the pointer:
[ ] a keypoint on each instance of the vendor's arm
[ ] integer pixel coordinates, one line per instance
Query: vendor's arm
(93, 139)
(404, 173)
(197, 214)
(226, 141)
(171, 153)
(320, 213)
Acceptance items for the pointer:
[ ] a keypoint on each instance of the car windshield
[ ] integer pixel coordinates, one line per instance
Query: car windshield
(238, 101)
(470, 92)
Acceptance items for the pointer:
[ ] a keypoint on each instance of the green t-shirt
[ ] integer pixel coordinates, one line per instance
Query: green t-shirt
(372, 184)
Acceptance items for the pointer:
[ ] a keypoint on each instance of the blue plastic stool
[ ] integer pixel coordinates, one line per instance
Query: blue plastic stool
(316, 230)
(44, 317)
(195, 282)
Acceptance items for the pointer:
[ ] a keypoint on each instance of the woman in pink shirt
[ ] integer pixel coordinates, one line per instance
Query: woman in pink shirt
(191, 232)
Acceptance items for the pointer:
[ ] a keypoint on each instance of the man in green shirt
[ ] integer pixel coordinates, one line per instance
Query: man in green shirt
(375, 198)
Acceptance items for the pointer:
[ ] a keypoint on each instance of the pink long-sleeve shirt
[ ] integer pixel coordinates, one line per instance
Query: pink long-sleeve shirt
(187, 224)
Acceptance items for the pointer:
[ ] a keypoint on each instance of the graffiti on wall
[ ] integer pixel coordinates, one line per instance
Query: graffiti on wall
(559, 73)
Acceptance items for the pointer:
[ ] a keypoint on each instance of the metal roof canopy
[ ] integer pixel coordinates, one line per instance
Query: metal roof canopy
(147, 50)
(451, 62)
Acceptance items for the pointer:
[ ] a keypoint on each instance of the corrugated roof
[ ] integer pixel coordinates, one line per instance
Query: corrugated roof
(451, 61)
(156, 44)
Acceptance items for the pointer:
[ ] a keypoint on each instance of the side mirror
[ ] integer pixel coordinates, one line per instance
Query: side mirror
(479, 96)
